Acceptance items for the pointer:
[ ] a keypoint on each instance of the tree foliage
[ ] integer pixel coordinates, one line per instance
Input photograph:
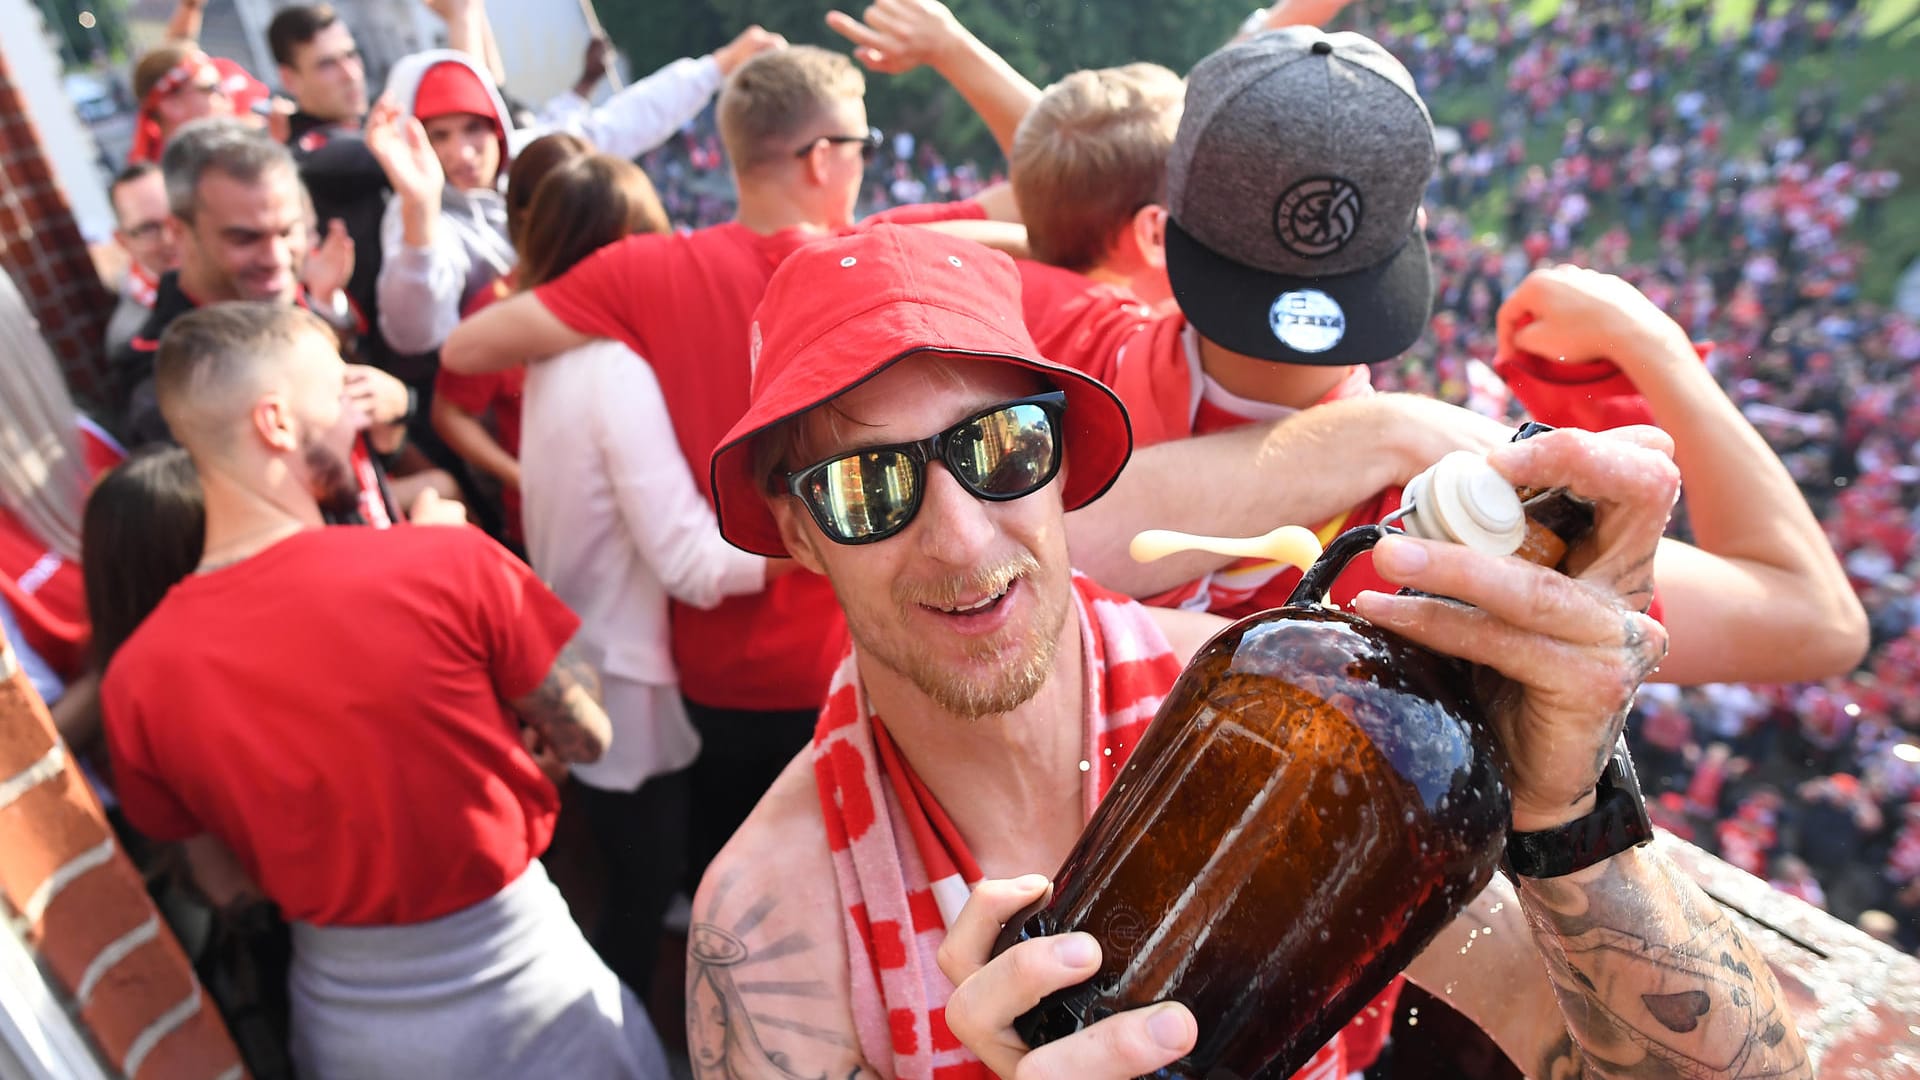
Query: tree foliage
(1043, 39)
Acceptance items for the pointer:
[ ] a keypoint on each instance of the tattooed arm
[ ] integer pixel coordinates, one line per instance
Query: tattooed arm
(1643, 976)
(565, 709)
(768, 995)
(1654, 979)
(1651, 978)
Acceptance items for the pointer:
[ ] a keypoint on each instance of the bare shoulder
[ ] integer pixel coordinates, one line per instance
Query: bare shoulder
(1186, 630)
(767, 987)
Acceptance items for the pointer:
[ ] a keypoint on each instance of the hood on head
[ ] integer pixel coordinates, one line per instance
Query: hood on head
(403, 85)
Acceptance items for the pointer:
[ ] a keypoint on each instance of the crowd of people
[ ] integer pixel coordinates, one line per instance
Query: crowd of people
(1756, 248)
(363, 333)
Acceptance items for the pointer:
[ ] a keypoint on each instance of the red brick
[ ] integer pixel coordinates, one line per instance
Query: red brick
(196, 1048)
(102, 903)
(27, 734)
(135, 992)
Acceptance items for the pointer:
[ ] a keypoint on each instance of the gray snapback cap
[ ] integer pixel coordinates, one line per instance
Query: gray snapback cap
(1293, 189)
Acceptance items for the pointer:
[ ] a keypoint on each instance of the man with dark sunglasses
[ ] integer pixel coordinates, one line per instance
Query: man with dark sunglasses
(870, 143)
(906, 440)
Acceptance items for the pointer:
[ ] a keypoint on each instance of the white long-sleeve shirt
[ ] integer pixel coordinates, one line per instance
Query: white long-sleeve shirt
(639, 117)
(615, 526)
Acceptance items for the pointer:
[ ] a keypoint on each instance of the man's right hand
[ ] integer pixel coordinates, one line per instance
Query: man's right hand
(399, 143)
(990, 993)
(899, 35)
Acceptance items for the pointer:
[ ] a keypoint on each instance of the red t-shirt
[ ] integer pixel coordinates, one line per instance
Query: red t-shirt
(332, 710)
(684, 303)
(1147, 360)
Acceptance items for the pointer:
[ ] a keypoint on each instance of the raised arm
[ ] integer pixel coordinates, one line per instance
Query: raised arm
(644, 115)
(1762, 596)
(565, 709)
(1244, 482)
(471, 32)
(507, 333)
(900, 35)
(421, 278)
(185, 23)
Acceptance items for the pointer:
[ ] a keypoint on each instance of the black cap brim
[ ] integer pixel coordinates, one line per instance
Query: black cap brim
(1382, 310)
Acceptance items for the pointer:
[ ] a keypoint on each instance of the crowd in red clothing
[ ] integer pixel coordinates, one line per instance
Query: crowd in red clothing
(494, 250)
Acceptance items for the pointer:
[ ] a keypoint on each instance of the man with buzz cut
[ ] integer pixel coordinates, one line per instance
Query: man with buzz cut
(339, 713)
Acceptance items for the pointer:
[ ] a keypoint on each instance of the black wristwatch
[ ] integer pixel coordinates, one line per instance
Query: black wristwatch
(1618, 822)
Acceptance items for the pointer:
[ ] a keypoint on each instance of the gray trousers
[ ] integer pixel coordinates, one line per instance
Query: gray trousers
(507, 988)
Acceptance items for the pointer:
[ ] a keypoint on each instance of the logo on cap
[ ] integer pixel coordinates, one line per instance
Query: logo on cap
(1307, 320)
(1317, 216)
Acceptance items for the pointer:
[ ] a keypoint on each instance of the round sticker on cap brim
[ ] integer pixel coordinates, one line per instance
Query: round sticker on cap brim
(1307, 320)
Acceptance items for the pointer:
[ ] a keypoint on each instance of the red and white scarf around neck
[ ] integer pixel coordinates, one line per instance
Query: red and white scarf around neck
(904, 870)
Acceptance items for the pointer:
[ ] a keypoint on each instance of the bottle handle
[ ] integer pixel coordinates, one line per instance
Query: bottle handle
(1319, 578)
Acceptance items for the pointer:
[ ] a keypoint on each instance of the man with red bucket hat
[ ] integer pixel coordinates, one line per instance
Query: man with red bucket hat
(905, 440)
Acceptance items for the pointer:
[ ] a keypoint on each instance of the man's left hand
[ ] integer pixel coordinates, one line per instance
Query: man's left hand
(896, 36)
(1575, 646)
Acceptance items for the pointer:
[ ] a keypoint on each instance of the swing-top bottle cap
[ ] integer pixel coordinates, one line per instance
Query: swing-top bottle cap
(1463, 500)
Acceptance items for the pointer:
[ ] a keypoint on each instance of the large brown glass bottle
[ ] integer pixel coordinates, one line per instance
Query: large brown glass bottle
(1315, 800)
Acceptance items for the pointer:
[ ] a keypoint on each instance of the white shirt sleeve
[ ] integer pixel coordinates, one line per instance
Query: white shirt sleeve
(642, 116)
(419, 288)
(664, 512)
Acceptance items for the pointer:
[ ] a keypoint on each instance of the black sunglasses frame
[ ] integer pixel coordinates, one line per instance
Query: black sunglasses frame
(923, 451)
(870, 143)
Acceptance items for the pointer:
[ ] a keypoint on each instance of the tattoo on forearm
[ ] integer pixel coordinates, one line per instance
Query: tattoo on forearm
(565, 708)
(727, 1009)
(1652, 987)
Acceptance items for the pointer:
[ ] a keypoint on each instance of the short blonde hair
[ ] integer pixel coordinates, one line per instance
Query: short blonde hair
(772, 102)
(1089, 154)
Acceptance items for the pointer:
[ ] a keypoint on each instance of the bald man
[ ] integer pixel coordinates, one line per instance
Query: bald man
(341, 709)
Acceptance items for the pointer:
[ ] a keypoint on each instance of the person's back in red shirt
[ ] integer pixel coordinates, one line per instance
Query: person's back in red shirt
(332, 710)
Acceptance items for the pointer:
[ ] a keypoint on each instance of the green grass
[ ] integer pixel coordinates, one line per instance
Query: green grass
(1891, 51)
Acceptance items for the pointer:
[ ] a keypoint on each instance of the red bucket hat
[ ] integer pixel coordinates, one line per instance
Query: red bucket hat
(838, 312)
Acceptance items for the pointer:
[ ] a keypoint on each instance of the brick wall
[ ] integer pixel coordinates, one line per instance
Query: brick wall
(41, 248)
(84, 910)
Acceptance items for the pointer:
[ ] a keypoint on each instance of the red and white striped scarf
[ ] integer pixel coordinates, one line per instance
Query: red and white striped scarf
(903, 868)
(143, 286)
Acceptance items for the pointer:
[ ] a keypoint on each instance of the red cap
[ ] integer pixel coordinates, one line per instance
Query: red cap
(839, 312)
(452, 87)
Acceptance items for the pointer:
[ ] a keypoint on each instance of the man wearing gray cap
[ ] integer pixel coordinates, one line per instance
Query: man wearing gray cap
(1296, 250)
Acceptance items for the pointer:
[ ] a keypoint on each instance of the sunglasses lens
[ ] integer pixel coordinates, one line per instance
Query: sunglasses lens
(863, 495)
(1006, 453)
